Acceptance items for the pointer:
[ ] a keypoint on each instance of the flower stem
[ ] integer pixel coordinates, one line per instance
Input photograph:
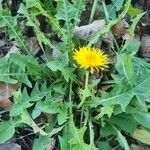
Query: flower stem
(85, 90)
(86, 80)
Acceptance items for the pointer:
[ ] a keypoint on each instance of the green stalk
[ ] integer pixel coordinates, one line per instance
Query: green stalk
(109, 25)
(82, 115)
(93, 11)
(85, 90)
(91, 135)
(70, 97)
(86, 80)
(105, 11)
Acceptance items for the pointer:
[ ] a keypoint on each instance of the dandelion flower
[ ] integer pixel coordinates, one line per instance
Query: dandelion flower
(91, 58)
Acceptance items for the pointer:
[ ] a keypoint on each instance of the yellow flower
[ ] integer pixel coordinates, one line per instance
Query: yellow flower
(91, 58)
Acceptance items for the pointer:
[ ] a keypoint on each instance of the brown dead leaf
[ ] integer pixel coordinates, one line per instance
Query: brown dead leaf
(13, 49)
(6, 91)
(33, 45)
(145, 26)
(87, 31)
(139, 147)
(119, 29)
(10, 146)
(2, 42)
(145, 46)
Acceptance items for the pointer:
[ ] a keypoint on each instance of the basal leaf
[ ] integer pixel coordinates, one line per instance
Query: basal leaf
(125, 122)
(21, 102)
(121, 99)
(131, 46)
(26, 118)
(122, 141)
(41, 142)
(18, 67)
(143, 118)
(54, 107)
(80, 7)
(140, 90)
(5, 74)
(125, 67)
(13, 29)
(104, 145)
(66, 11)
(134, 23)
(30, 3)
(7, 130)
(73, 137)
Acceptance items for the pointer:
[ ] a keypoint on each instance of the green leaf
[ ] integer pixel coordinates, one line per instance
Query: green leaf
(107, 130)
(131, 46)
(143, 118)
(95, 38)
(54, 107)
(21, 102)
(118, 4)
(59, 88)
(104, 146)
(133, 11)
(63, 143)
(55, 25)
(134, 23)
(66, 11)
(41, 143)
(121, 99)
(30, 3)
(68, 73)
(73, 137)
(125, 122)
(6, 20)
(128, 69)
(80, 7)
(1, 4)
(7, 130)
(122, 141)
(22, 9)
(124, 66)
(141, 65)
(18, 67)
(111, 11)
(38, 94)
(142, 135)
(36, 113)
(141, 90)
(5, 74)
(54, 65)
(33, 21)
(26, 118)
(61, 64)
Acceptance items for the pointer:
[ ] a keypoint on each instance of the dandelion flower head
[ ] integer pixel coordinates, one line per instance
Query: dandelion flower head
(91, 58)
